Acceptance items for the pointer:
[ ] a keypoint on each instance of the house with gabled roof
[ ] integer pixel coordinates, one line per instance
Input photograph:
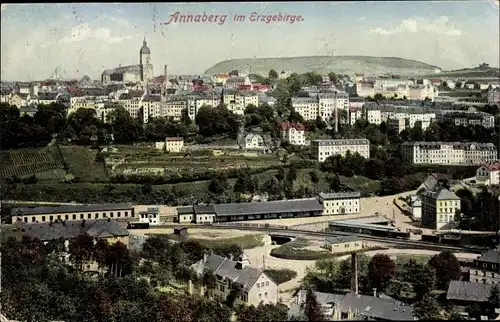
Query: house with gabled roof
(253, 285)
(440, 209)
(489, 173)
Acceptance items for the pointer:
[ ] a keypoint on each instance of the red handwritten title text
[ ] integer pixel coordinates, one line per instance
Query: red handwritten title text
(177, 17)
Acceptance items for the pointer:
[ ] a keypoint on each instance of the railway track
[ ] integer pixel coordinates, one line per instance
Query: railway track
(386, 240)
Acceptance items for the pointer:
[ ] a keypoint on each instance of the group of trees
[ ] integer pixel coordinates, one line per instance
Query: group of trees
(85, 127)
(37, 273)
(409, 280)
(480, 211)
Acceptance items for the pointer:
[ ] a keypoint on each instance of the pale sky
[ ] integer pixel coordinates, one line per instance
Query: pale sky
(85, 39)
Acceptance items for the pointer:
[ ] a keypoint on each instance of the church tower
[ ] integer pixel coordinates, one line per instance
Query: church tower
(145, 62)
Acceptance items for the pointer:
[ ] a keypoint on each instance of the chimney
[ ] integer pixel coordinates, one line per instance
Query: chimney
(231, 256)
(205, 257)
(354, 274)
(374, 292)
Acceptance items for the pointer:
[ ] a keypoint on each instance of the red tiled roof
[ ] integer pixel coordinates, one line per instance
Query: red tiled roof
(493, 166)
(286, 125)
(175, 139)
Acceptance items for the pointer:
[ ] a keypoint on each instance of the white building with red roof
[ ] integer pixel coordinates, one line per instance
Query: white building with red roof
(489, 173)
(294, 133)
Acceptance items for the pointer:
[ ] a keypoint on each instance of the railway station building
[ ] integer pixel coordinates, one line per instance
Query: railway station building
(250, 211)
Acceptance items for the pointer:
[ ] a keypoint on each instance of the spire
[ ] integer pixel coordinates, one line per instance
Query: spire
(144, 43)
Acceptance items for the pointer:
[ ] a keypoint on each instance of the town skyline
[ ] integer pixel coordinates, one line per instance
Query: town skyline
(85, 39)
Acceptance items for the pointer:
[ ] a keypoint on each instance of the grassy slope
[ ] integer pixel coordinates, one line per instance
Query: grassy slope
(81, 163)
(338, 64)
(43, 162)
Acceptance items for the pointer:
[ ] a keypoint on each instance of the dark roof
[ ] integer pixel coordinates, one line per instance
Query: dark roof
(246, 276)
(185, 210)
(47, 96)
(70, 208)
(468, 291)
(491, 256)
(152, 98)
(377, 308)
(268, 207)
(204, 209)
(72, 229)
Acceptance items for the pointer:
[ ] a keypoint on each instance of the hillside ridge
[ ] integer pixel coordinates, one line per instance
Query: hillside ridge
(345, 64)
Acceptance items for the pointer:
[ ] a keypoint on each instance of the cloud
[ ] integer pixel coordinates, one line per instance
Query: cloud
(362, 18)
(84, 32)
(439, 26)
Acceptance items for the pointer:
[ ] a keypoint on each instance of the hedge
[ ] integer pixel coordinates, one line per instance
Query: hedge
(287, 252)
(280, 276)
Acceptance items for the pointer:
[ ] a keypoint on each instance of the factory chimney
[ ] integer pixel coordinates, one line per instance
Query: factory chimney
(165, 85)
(354, 274)
(336, 113)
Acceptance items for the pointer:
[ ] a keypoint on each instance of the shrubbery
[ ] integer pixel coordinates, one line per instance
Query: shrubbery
(281, 276)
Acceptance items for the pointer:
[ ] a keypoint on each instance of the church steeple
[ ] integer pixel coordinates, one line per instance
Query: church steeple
(144, 43)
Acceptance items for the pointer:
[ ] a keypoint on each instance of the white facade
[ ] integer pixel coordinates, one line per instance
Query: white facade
(455, 153)
(322, 149)
(340, 203)
(254, 141)
(237, 102)
(151, 216)
(307, 107)
(293, 133)
(489, 174)
(396, 124)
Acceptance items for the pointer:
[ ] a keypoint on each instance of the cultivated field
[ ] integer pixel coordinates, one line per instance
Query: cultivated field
(25, 162)
(136, 160)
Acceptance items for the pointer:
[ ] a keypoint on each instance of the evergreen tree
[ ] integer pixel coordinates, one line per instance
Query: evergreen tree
(312, 309)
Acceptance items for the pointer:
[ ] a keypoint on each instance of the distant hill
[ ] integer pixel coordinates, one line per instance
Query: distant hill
(324, 64)
(478, 72)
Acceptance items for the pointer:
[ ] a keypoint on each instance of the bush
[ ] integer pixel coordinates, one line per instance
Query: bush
(281, 276)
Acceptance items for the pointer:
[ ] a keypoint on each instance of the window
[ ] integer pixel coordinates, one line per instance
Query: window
(267, 284)
(111, 214)
(104, 215)
(33, 219)
(74, 216)
(89, 216)
(96, 216)
(66, 217)
(25, 219)
(258, 285)
(43, 218)
(265, 295)
(119, 214)
(58, 217)
(222, 288)
(51, 218)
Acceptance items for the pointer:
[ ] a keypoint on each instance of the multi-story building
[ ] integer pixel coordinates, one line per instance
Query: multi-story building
(322, 149)
(365, 89)
(174, 144)
(489, 173)
(236, 102)
(493, 95)
(152, 107)
(293, 133)
(235, 82)
(470, 117)
(421, 92)
(456, 153)
(174, 107)
(307, 107)
(340, 203)
(72, 213)
(440, 209)
(381, 113)
(396, 124)
(486, 268)
(254, 141)
(253, 285)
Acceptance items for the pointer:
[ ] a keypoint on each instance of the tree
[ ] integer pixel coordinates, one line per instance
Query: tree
(381, 270)
(314, 176)
(218, 185)
(333, 77)
(494, 299)
(273, 74)
(419, 275)
(209, 281)
(447, 268)
(263, 312)
(125, 128)
(427, 309)
(312, 309)
(81, 249)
